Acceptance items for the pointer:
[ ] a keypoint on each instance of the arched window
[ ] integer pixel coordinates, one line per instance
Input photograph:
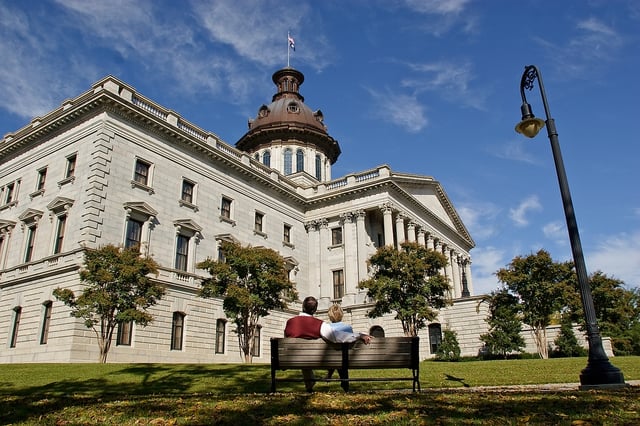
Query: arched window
(435, 337)
(376, 331)
(177, 331)
(299, 160)
(46, 321)
(266, 158)
(220, 335)
(17, 313)
(318, 167)
(255, 348)
(287, 161)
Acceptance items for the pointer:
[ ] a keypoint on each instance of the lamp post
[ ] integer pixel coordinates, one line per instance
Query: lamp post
(599, 372)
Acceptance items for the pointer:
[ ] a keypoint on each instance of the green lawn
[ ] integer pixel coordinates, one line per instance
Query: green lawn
(239, 394)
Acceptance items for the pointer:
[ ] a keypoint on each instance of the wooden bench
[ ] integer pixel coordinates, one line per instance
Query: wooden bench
(381, 353)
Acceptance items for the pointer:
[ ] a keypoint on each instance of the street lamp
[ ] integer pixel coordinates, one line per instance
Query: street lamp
(599, 372)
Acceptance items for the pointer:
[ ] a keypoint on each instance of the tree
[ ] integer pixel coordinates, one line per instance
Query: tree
(539, 283)
(449, 349)
(117, 290)
(252, 281)
(617, 310)
(504, 322)
(566, 343)
(407, 281)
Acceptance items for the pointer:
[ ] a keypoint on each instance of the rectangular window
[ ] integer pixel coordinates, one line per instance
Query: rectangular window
(336, 236)
(187, 192)
(134, 234)
(225, 208)
(177, 329)
(8, 193)
(62, 224)
(220, 335)
(286, 234)
(42, 177)
(255, 350)
(124, 333)
(31, 239)
(257, 222)
(141, 173)
(338, 284)
(182, 252)
(71, 166)
(17, 313)
(46, 320)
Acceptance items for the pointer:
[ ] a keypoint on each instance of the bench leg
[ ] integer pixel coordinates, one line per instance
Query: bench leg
(344, 375)
(309, 379)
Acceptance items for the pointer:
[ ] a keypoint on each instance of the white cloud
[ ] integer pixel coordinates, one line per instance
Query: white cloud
(402, 110)
(485, 262)
(257, 31)
(592, 44)
(618, 256)
(440, 7)
(479, 218)
(515, 151)
(440, 16)
(33, 81)
(556, 232)
(451, 80)
(529, 204)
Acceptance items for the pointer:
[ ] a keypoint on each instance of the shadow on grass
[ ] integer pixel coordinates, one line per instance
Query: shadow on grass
(431, 407)
(18, 404)
(460, 380)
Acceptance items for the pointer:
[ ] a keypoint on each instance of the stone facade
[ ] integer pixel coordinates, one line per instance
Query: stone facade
(111, 166)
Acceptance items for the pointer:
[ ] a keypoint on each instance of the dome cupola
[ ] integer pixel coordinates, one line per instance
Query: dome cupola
(287, 135)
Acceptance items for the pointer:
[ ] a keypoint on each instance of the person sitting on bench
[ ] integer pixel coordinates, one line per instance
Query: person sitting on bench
(306, 326)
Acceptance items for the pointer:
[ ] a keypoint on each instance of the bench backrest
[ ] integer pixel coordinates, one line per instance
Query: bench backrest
(382, 352)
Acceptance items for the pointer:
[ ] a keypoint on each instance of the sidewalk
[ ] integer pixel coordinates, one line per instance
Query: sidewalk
(549, 387)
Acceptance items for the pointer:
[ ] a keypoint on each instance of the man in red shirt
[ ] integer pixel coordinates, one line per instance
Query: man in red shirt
(305, 326)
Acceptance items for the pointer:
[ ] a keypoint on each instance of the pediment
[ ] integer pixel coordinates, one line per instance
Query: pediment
(141, 207)
(188, 224)
(429, 193)
(30, 215)
(60, 203)
(227, 237)
(6, 225)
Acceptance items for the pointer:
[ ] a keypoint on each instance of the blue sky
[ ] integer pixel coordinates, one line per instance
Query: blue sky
(426, 86)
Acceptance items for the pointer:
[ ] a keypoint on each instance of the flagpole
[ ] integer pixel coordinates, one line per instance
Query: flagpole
(288, 48)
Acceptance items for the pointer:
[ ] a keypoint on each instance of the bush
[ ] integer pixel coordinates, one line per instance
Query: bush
(449, 349)
(567, 343)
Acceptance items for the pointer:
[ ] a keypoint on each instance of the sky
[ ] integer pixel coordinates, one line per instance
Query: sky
(429, 87)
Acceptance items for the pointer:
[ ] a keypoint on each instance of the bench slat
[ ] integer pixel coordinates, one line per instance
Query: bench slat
(381, 353)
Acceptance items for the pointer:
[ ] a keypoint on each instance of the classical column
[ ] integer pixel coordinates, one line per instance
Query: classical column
(455, 277)
(430, 242)
(314, 258)
(387, 214)
(350, 255)
(411, 232)
(438, 248)
(449, 269)
(421, 239)
(361, 234)
(323, 242)
(467, 288)
(400, 229)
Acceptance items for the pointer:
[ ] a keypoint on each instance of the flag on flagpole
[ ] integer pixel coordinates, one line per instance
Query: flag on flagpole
(292, 43)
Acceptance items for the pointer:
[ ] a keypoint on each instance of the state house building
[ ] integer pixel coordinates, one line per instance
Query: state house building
(113, 167)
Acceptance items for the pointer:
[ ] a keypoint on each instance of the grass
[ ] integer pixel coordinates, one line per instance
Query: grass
(453, 393)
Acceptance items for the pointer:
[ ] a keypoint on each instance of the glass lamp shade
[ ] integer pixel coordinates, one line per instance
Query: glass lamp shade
(530, 126)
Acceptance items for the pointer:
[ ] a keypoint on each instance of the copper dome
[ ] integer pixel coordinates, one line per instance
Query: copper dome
(287, 119)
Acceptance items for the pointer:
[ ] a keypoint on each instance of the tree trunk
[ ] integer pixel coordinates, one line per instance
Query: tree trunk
(540, 337)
